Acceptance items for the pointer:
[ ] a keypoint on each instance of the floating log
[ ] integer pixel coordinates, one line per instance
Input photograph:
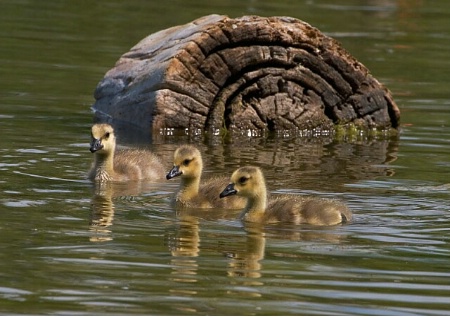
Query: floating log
(252, 72)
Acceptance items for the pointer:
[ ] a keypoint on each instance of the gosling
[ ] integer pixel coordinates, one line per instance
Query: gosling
(192, 193)
(120, 165)
(249, 182)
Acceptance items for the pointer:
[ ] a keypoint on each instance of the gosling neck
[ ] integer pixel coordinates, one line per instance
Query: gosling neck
(104, 165)
(189, 187)
(256, 205)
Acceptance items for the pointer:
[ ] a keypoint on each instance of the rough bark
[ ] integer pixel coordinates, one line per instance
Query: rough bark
(251, 72)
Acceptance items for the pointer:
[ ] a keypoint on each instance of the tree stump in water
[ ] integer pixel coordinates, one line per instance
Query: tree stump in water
(248, 73)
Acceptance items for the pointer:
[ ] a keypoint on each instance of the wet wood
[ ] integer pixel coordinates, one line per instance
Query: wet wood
(251, 72)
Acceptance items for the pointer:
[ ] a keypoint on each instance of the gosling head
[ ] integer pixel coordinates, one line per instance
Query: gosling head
(187, 163)
(103, 139)
(246, 181)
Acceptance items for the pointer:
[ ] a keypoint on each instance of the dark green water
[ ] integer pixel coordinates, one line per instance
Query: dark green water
(68, 248)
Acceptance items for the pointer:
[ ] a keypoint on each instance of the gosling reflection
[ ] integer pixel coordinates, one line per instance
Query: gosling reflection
(102, 205)
(102, 213)
(184, 246)
(245, 266)
(186, 242)
(247, 263)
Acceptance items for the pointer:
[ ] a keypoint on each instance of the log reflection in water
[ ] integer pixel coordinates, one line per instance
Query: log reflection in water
(334, 158)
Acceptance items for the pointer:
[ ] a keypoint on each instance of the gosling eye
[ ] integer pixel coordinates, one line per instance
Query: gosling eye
(243, 180)
(186, 162)
(107, 135)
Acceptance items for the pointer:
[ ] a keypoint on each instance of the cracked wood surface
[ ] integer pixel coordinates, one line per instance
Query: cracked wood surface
(247, 73)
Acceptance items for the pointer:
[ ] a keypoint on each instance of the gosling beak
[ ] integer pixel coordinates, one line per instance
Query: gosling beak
(228, 191)
(96, 144)
(174, 172)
